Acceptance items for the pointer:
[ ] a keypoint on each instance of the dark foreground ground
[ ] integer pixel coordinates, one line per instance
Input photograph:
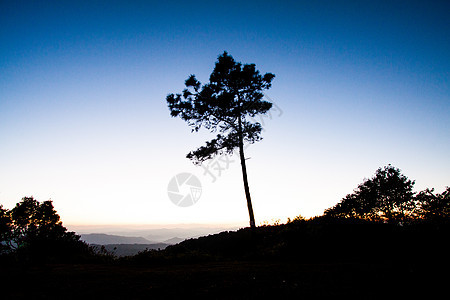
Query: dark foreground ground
(311, 259)
(225, 280)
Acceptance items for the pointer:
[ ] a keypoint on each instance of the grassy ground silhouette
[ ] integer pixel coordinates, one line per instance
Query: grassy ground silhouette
(315, 259)
(221, 280)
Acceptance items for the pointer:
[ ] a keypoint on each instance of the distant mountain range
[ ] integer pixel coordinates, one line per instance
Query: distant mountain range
(174, 240)
(125, 245)
(129, 240)
(107, 239)
(104, 234)
(131, 249)
(111, 239)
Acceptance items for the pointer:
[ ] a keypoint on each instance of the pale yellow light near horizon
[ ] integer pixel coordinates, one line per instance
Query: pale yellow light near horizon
(127, 191)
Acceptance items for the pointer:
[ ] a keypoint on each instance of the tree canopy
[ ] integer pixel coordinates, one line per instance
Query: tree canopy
(234, 93)
(388, 196)
(433, 206)
(385, 196)
(34, 230)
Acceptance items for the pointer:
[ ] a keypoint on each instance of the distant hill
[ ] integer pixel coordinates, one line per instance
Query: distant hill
(154, 233)
(108, 239)
(174, 240)
(131, 249)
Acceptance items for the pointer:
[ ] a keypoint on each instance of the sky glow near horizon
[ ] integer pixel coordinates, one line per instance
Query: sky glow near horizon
(84, 121)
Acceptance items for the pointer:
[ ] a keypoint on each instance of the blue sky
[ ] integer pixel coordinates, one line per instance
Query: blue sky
(83, 118)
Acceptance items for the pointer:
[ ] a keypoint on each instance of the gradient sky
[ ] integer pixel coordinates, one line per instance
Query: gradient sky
(84, 122)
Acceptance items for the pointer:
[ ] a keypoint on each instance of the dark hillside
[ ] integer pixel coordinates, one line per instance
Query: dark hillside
(322, 257)
(317, 240)
(319, 258)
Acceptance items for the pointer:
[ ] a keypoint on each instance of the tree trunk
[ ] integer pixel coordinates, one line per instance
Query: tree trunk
(244, 175)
